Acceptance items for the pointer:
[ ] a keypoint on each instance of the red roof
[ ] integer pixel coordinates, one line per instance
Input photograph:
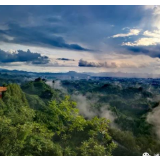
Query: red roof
(2, 89)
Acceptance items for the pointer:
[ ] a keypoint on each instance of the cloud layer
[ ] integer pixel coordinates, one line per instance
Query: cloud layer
(151, 33)
(37, 37)
(151, 38)
(112, 64)
(23, 56)
(83, 63)
(132, 32)
(152, 51)
(65, 59)
(59, 36)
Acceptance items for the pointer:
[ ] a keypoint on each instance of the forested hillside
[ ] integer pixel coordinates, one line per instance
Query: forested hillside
(38, 124)
(128, 103)
(77, 118)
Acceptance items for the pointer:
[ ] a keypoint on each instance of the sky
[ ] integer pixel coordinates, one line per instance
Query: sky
(80, 38)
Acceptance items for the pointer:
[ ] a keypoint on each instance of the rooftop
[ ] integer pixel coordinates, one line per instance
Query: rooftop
(2, 89)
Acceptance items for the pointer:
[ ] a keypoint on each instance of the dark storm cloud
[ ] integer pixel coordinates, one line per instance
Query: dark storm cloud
(152, 51)
(83, 63)
(65, 59)
(36, 37)
(56, 26)
(23, 56)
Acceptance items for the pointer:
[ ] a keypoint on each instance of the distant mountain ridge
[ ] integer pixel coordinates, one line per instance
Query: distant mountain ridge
(81, 75)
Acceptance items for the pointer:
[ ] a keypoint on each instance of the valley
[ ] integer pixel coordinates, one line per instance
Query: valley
(122, 109)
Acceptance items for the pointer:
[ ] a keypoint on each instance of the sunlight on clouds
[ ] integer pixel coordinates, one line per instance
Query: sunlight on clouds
(143, 42)
(132, 32)
(151, 38)
(155, 33)
(155, 15)
(154, 8)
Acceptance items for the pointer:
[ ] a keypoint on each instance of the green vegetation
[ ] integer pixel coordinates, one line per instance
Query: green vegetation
(38, 124)
(130, 105)
(39, 120)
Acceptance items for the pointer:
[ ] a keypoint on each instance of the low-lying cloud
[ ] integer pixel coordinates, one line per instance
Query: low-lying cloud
(85, 105)
(87, 110)
(57, 85)
(112, 64)
(153, 118)
(83, 63)
(23, 56)
(65, 59)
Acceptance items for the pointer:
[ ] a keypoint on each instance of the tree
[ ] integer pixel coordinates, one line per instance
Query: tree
(56, 129)
(38, 79)
(19, 133)
(72, 131)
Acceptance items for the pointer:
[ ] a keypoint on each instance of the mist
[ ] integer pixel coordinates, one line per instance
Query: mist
(57, 85)
(86, 108)
(85, 105)
(106, 113)
(153, 118)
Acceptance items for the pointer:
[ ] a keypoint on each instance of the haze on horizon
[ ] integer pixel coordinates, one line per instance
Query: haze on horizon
(80, 38)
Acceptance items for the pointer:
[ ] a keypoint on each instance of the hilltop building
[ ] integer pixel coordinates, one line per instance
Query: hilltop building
(2, 89)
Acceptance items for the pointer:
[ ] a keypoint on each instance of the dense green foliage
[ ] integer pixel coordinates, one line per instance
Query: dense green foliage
(38, 124)
(130, 102)
(37, 119)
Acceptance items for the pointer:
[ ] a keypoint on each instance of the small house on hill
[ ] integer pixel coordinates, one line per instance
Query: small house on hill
(2, 89)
